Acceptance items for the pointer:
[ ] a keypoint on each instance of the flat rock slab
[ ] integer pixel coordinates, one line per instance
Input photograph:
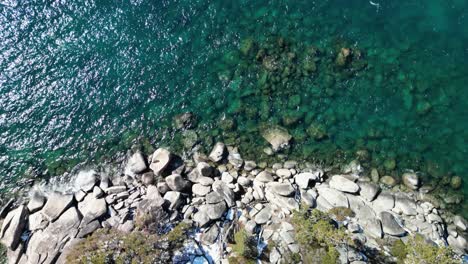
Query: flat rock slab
(86, 180)
(369, 190)
(56, 204)
(92, 208)
(214, 211)
(343, 184)
(263, 216)
(36, 202)
(390, 225)
(283, 189)
(384, 202)
(303, 180)
(333, 197)
(264, 176)
(12, 227)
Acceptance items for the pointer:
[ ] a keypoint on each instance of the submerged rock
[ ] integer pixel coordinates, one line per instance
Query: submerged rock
(185, 121)
(277, 136)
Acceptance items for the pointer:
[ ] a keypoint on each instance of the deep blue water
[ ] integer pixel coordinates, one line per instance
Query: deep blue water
(87, 80)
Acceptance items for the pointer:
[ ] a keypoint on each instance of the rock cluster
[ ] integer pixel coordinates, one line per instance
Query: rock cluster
(211, 189)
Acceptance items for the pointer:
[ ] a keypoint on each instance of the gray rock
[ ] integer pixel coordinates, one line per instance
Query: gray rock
(263, 216)
(460, 223)
(458, 243)
(411, 180)
(80, 195)
(12, 227)
(6, 208)
(97, 192)
(287, 237)
(152, 193)
(244, 181)
(56, 204)
(333, 197)
(204, 169)
(214, 211)
(85, 180)
(92, 208)
(210, 235)
(174, 199)
(36, 201)
(303, 180)
(384, 202)
(136, 164)
(368, 190)
(373, 228)
(235, 160)
(218, 152)
(308, 198)
(405, 206)
(214, 197)
(283, 189)
(147, 178)
(390, 225)
(127, 227)
(277, 136)
(89, 228)
(200, 190)
(249, 165)
(206, 181)
(264, 176)
(223, 190)
(250, 226)
(341, 183)
(176, 182)
(284, 203)
(275, 256)
(388, 181)
(283, 173)
(160, 159)
(115, 189)
(201, 218)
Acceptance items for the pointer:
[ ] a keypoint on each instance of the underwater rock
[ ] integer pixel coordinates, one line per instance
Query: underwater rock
(189, 138)
(456, 182)
(317, 131)
(389, 164)
(227, 124)
(343, 57)
(185, 121)
(277, 136)
(270, 63)
(246, 46)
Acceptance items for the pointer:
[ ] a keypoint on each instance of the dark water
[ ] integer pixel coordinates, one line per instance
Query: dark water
(86, 80)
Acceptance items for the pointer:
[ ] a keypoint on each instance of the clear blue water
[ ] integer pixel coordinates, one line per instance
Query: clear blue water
(87, 80)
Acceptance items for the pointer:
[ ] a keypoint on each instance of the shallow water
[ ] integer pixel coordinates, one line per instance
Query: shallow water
(86, 80)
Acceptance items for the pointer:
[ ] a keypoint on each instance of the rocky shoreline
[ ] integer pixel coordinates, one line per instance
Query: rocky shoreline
(221, 193)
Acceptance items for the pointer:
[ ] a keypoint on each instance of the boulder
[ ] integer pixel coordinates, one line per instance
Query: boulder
(97, 192)
(283, 173)
(284, 203)
(136, 164)
(185, 121)
(368, 190)
(264, 176)
(235, 160)
(218, 152)
(160, 159)
(263, 216)
(174, 199)
(303, 180)
(36, 201)
(92, 208)
(89, 228)
(214, 211)
(200, 190)
(152, 193)
(85, 180)
(390, 225)
(201, 218)
(460, 223)
(244, 181)
(404, 205)
(388, 181)
(372, 227)
(204, 169)
(308, 198)
(283, 189)
(223, 190)
(341, 183)
(213, 197)
(12, 227)
(176, 182)
(333, 197)
(147, 178)
(210, 235)
(56, 204)
(277, 136)
(384, 202)
(411, 180)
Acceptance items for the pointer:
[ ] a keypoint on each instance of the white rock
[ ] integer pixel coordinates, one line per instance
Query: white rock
(12, 227)
(277, 136)
(86, 180)
(218, 152)
(264, 176)
(160, 159)
(92, 208)
(56, 204)
(283, 173)
(136, 164)
(411, 180)
(303, 180)
(333, 197)
(341, 183)
(200, 190)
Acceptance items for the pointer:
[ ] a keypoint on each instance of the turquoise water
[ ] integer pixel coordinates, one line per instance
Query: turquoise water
(87, 80)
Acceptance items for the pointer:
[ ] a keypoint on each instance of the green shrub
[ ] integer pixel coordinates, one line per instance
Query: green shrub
(3, 254)
(420, 251)
(399, 251)
(245, 245)
(341, 213)
(316, 230)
